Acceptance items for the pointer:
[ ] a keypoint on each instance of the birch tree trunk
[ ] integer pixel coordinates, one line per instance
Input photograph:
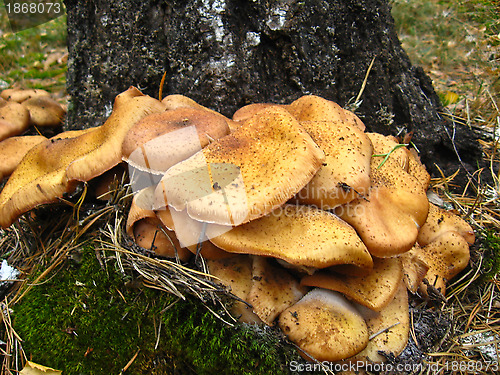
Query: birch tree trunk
(228, 53)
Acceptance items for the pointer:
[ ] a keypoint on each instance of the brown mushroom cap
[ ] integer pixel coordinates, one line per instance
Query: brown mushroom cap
(176, 101)
(20, 95)
(415, 268)
(44, 111)
(389, 217)
(245, 112)
(446, 256)
(246, 174)
(51, 168)
(273, 290)
(389, 329)
(13, 149)
(440, 221)
(374, 290)
(315, 108)
(14, 119)
(387, 144)
(299, 235)
(325, 326)
(236, 274)
(161, 140)
(345, 174)
(149, 234)
(417, 169)
(148, 231)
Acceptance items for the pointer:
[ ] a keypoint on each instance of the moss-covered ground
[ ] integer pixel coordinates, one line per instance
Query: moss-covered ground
(88, 318)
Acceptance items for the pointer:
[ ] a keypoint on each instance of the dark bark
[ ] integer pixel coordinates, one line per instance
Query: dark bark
(228, 53)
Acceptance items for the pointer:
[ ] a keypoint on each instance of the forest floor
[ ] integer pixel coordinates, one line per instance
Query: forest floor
(458, 45)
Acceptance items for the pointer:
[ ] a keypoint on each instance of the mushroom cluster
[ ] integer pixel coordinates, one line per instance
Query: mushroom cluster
(314, 224)
(19, 110)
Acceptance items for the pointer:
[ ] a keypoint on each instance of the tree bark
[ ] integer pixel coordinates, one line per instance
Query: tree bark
(228, 53)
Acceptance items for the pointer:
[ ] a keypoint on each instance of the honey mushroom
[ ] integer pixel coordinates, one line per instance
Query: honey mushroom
(14, 119)
(55, 166)
(147, 230)
(277, 209)
(246, 174)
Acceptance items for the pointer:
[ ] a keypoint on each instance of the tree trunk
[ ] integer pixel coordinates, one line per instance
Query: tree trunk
(228, 53)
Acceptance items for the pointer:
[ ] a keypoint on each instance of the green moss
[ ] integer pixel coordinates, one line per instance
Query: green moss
(84, 320)
(491, 256)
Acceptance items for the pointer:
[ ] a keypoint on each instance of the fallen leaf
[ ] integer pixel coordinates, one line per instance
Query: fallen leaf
(31, 368)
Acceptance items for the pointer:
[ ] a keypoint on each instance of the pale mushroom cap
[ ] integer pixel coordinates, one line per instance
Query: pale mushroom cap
(236, 274)
(51, 168)
(439, 221)
(161, 140)
(44, 111)
(375, 290)
(325, 325)
(345, 173)
(315, 108)
(20, 95)
(246, 174)
(390, 328)
(17, 116)
(273, 290)
(13, 149)
(299, 235)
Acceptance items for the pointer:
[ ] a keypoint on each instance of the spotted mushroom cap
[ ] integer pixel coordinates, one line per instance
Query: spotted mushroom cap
(345, 173)
(246, 174)
(390, 216)
(325, 326)
(389, 329)
(315, 108)
(44, 111)
(375, 290)
(236, 274)
(20, 95)
(14, 119)
(13, 149)
(273, 289)
(446, 256)
(299, 235)
(54, 166)
(440, 221)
